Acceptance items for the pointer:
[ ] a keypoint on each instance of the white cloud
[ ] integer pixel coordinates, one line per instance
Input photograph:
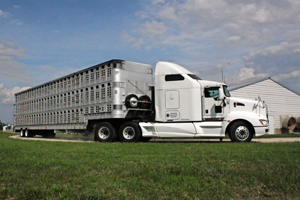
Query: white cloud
(275, 59)
(17, 6)
(7, 15)
(7, 95)
(244, 74)
(9, 67)
(247, 22)
(137, 42)
(281, 62)
(262, 37)
(158, 1)
(154, 28)
(291, 75)
(168, 12)
(233, 38)
(284, 48)
(16, 22)
(4, 14)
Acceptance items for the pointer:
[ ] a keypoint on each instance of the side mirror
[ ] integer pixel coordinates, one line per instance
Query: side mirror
(221, 94)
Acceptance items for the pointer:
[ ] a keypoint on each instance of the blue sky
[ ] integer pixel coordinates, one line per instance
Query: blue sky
(43, 40)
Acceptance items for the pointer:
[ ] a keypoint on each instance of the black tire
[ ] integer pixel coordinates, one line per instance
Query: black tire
(229, 136)
(131, 101)
(22, 133)
(105, 132)
(240, 132)
(130, 132)
(144, 102)
(28, 133)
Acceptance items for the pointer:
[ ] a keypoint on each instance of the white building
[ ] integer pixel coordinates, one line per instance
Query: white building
(281, 101)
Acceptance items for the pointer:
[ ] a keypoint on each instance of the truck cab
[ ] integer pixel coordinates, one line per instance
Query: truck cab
(186, 106)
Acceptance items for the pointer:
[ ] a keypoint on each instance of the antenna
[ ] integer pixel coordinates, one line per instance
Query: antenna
(222, 75)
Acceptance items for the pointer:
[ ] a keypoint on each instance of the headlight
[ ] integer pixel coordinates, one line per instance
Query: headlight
(264, 122)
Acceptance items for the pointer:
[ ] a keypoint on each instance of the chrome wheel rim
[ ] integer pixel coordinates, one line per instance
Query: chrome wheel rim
(128, 133)
(26, 133)
(242, 133)
(133, 102)
(21, 133)
(103, 133)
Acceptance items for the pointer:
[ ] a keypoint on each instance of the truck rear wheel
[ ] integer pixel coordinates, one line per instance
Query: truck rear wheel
(240, 132)
(130, 132)
(105, 132)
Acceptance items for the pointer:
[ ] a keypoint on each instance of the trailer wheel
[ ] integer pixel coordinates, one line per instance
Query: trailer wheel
(22, 133)
(130, 132)
(27, 133)
(144, 102)
(105, 132)
(131, 101)
(240, 132)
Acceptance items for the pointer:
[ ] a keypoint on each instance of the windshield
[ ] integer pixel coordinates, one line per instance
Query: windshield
(194, 76)
(226, 91)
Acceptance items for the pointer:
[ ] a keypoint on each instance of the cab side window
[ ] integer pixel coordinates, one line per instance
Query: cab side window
(174, 77)
(212, 92)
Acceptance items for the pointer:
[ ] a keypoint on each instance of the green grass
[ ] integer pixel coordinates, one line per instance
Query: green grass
(59, 170)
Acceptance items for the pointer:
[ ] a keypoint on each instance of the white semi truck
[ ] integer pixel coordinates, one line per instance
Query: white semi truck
(116, 100)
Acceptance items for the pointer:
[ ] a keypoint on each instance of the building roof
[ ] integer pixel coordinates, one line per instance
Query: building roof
(254, 81)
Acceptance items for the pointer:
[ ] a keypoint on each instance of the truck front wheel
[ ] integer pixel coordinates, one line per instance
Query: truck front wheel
(240, 132)
(105, 132)
(130, 132)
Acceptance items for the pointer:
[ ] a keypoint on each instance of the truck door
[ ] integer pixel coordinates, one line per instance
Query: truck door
(212, 106)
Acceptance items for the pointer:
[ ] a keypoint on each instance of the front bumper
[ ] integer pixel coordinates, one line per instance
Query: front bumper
(261, 130)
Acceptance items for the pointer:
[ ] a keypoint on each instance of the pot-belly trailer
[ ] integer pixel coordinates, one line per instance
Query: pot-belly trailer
(116, 100)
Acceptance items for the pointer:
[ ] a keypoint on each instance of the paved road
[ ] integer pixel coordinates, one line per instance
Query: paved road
(259, 140)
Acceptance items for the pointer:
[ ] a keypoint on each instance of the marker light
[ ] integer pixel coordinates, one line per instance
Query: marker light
(263, 122)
